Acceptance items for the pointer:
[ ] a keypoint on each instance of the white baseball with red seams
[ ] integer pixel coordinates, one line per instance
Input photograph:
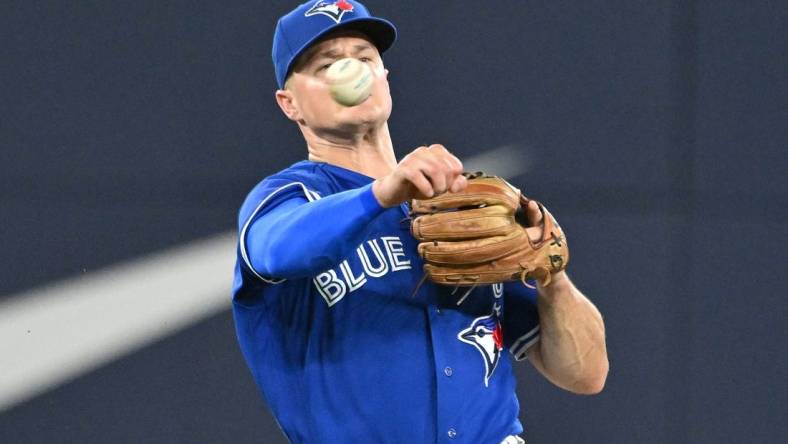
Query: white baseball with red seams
(350, 81)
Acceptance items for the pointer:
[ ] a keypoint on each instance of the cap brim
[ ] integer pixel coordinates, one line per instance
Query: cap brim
(382, 32)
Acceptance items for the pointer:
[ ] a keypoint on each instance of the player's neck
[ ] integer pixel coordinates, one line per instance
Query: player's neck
(370, 153)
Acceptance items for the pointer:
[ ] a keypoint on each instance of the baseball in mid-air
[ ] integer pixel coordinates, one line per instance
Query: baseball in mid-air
(350, 81)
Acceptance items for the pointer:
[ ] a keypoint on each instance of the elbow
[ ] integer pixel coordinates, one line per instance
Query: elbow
(283, 263)
(593, 382)
(590, 387)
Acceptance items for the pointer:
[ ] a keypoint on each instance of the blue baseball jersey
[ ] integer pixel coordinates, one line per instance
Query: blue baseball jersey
(347, 353)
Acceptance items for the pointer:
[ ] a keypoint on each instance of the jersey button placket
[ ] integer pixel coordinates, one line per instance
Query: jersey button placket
(440, 323)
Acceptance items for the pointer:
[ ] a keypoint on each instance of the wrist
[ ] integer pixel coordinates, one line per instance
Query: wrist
(559, 285)
(369, 201)
(378, 193)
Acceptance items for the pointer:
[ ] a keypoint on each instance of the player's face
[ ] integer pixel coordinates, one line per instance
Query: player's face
(310, 100)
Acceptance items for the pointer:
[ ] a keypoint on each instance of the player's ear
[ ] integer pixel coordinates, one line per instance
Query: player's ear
(286, 102)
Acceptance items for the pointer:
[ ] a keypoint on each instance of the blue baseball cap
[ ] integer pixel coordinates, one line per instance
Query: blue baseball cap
(303, 26)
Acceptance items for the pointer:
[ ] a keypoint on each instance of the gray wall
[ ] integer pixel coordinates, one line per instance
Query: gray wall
(655, 130)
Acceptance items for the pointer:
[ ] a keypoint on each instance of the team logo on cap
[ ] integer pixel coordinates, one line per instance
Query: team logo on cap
(335, 9)
(485, 333)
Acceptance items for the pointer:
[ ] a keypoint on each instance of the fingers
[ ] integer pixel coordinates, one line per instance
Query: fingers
(420, 182)
(459, 184)
(533, 214)
(534, 217)
(441, 167)
(437, 173)
(426, 172)
(435, 165)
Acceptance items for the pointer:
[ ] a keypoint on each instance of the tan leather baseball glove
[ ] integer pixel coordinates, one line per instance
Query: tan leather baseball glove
(473, 237)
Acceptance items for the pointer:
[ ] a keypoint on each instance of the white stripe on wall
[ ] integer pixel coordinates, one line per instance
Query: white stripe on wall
(52, 335)
(505, 161)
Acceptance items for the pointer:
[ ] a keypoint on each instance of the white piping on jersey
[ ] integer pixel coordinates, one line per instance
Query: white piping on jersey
(310, 195)
(513, 439)
(523, 343)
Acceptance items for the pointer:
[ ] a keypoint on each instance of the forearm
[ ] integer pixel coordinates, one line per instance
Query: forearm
(571, 351)
(300, 240)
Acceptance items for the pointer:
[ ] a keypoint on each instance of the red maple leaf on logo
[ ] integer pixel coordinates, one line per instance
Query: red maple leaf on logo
(498, 337)
(344, 5)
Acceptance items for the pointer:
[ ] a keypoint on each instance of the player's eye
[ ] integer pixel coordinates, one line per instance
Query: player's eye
(325, 66)
(365, 59)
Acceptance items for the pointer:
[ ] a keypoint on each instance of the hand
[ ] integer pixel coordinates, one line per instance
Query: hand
(534, 218)
(424, 173)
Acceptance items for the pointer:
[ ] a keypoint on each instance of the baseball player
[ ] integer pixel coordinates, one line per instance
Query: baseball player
(341, 348)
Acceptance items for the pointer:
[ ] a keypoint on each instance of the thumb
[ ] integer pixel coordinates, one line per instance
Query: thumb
(534, 233)
(533, 214)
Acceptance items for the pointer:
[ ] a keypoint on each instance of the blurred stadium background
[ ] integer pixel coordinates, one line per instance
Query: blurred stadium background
(130, 133)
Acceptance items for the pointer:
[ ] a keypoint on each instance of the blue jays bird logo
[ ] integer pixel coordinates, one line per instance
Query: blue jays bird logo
(335, 9)
(485, 333)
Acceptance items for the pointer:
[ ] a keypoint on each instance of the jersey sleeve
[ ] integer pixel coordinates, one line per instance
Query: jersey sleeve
(264, 198)
(521, 318)
(297, 237)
